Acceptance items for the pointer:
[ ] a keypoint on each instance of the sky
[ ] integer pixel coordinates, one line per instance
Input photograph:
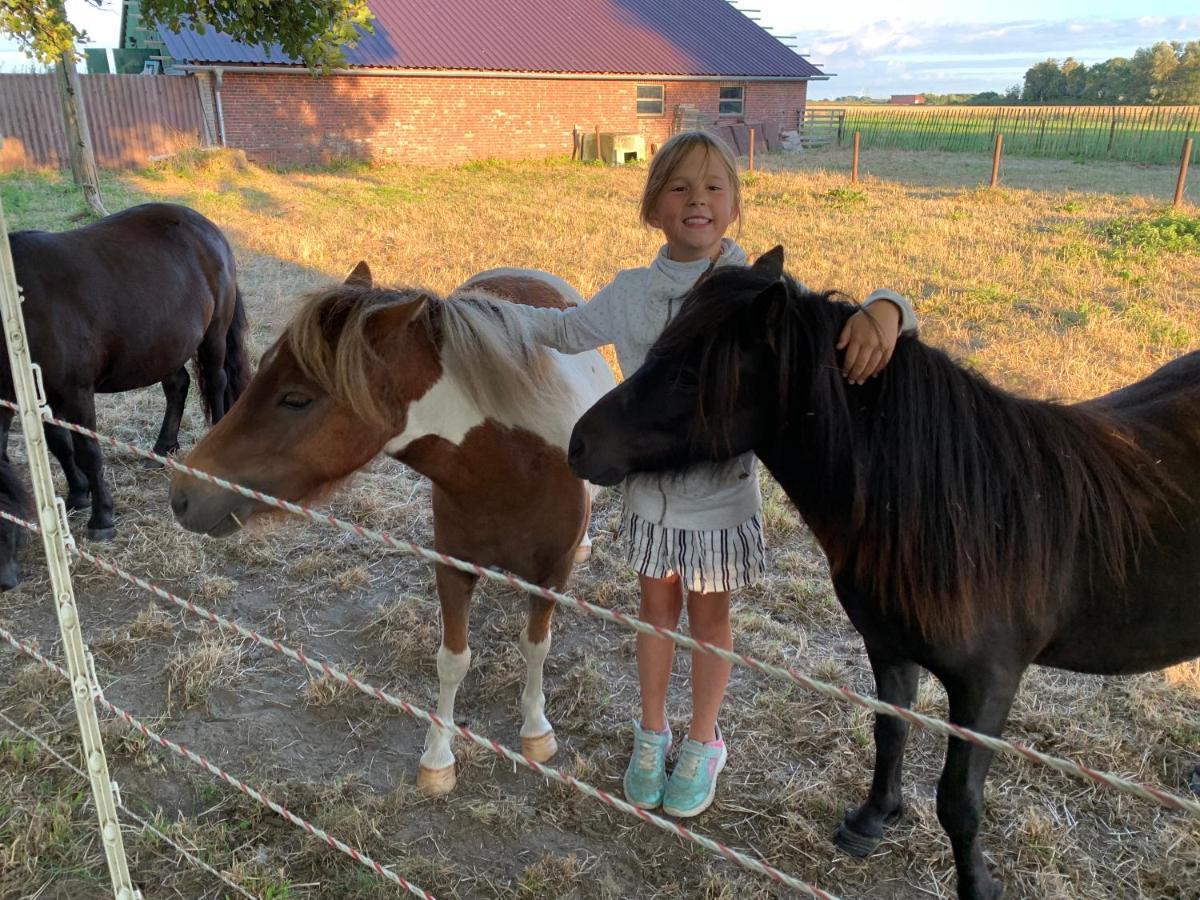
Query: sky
(882, 47)
(879, 48)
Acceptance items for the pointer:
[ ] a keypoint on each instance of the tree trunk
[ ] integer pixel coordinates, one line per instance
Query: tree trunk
(79, 138)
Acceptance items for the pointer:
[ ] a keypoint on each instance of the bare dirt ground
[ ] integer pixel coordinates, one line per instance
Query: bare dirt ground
(1025, 285)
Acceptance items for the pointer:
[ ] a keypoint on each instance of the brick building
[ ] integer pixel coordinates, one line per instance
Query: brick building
(453, 80)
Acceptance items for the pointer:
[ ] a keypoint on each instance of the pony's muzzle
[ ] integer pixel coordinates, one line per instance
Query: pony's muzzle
(576, 451)
(585, 462)
(205, 511)
(10, 576)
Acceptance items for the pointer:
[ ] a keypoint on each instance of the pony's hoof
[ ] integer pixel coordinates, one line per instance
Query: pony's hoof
(79, 501)
(583, 553)
(436, 782)
(102, 534)
(854, 843)
(541, 748)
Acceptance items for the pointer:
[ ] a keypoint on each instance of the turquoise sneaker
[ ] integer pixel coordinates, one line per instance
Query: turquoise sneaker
(693, 783)
(646, 775)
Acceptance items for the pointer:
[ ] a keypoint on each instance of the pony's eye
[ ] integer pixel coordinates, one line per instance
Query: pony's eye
(293, 400)
(687, 378)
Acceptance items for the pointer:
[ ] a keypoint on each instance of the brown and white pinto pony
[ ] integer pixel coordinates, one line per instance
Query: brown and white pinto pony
(455, 389)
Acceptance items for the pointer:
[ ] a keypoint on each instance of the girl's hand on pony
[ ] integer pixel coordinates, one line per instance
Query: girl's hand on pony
(869, 338)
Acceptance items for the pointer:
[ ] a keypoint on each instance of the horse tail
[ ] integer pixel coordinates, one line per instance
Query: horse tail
(236, 367)
(237, 359)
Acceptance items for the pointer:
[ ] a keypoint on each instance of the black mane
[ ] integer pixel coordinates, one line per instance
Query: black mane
(963, 499)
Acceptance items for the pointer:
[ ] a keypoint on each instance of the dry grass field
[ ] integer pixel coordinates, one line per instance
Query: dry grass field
(1049, 289)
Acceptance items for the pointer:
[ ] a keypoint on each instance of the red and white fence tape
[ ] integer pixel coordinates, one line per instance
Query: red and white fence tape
(1150, 793)
(199, 760)
(148, 826)
(737, 857)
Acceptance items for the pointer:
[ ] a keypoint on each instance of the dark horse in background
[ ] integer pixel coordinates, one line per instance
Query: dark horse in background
(120, 304)
(968, 531)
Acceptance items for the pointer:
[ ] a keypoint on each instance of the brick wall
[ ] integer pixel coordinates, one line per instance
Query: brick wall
(296, 119)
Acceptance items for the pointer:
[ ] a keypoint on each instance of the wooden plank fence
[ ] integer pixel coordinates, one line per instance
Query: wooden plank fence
(132, 117)
(1149, 134)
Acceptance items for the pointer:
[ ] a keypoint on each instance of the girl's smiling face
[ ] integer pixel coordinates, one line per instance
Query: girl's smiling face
(695, 207)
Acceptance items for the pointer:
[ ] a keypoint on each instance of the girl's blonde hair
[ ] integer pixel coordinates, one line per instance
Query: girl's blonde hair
(672, 153)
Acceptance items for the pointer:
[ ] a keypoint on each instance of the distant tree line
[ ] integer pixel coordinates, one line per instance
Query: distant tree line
(1166, 73)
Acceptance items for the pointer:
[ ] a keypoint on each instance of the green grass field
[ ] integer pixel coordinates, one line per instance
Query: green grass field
(1131, 133)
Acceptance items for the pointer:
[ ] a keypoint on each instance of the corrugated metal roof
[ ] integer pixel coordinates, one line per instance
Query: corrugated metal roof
(660, 37)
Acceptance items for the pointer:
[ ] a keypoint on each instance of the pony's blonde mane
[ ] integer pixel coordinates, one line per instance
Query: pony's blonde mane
(489, 348)
(485, 345)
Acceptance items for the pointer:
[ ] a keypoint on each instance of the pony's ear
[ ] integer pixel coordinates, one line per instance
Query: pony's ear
(770, 263)
(360, 275)
(398, 317)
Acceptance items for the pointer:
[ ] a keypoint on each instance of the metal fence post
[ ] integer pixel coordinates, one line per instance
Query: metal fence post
(51, 514)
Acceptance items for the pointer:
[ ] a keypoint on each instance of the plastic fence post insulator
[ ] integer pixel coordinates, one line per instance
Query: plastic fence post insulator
(30, 396)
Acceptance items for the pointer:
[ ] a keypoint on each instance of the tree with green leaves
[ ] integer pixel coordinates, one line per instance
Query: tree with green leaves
(313, 31)
(1109, 82)
(1044, 83)
(1074, 79)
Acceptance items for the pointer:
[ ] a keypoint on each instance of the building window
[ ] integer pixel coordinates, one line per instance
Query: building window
(649, 99)
(732, 101)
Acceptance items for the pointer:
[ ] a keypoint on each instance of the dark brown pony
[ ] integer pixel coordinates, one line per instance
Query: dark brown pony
(120, 304)
(14, 501)
(453, 388)
(968, 531)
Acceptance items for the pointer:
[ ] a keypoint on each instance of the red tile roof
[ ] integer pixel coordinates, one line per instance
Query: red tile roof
(636, 37)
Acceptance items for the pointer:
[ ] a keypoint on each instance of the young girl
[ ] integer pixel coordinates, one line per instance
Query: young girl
(698, 536)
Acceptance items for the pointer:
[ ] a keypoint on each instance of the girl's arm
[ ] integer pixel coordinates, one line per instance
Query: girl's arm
(870, 335)
(577, 328)
(908, 318)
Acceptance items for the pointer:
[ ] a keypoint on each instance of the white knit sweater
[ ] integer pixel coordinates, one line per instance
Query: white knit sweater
(630, 313)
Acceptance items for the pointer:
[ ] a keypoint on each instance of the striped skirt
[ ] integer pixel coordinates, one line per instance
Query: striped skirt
(724, 559)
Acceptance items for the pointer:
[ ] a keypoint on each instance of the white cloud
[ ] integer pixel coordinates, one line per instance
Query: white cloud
(964, 57)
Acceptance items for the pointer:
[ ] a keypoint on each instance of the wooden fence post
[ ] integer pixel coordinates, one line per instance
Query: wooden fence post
(854, 162)
(996, 159)
(751, 148)
(1181, 182)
